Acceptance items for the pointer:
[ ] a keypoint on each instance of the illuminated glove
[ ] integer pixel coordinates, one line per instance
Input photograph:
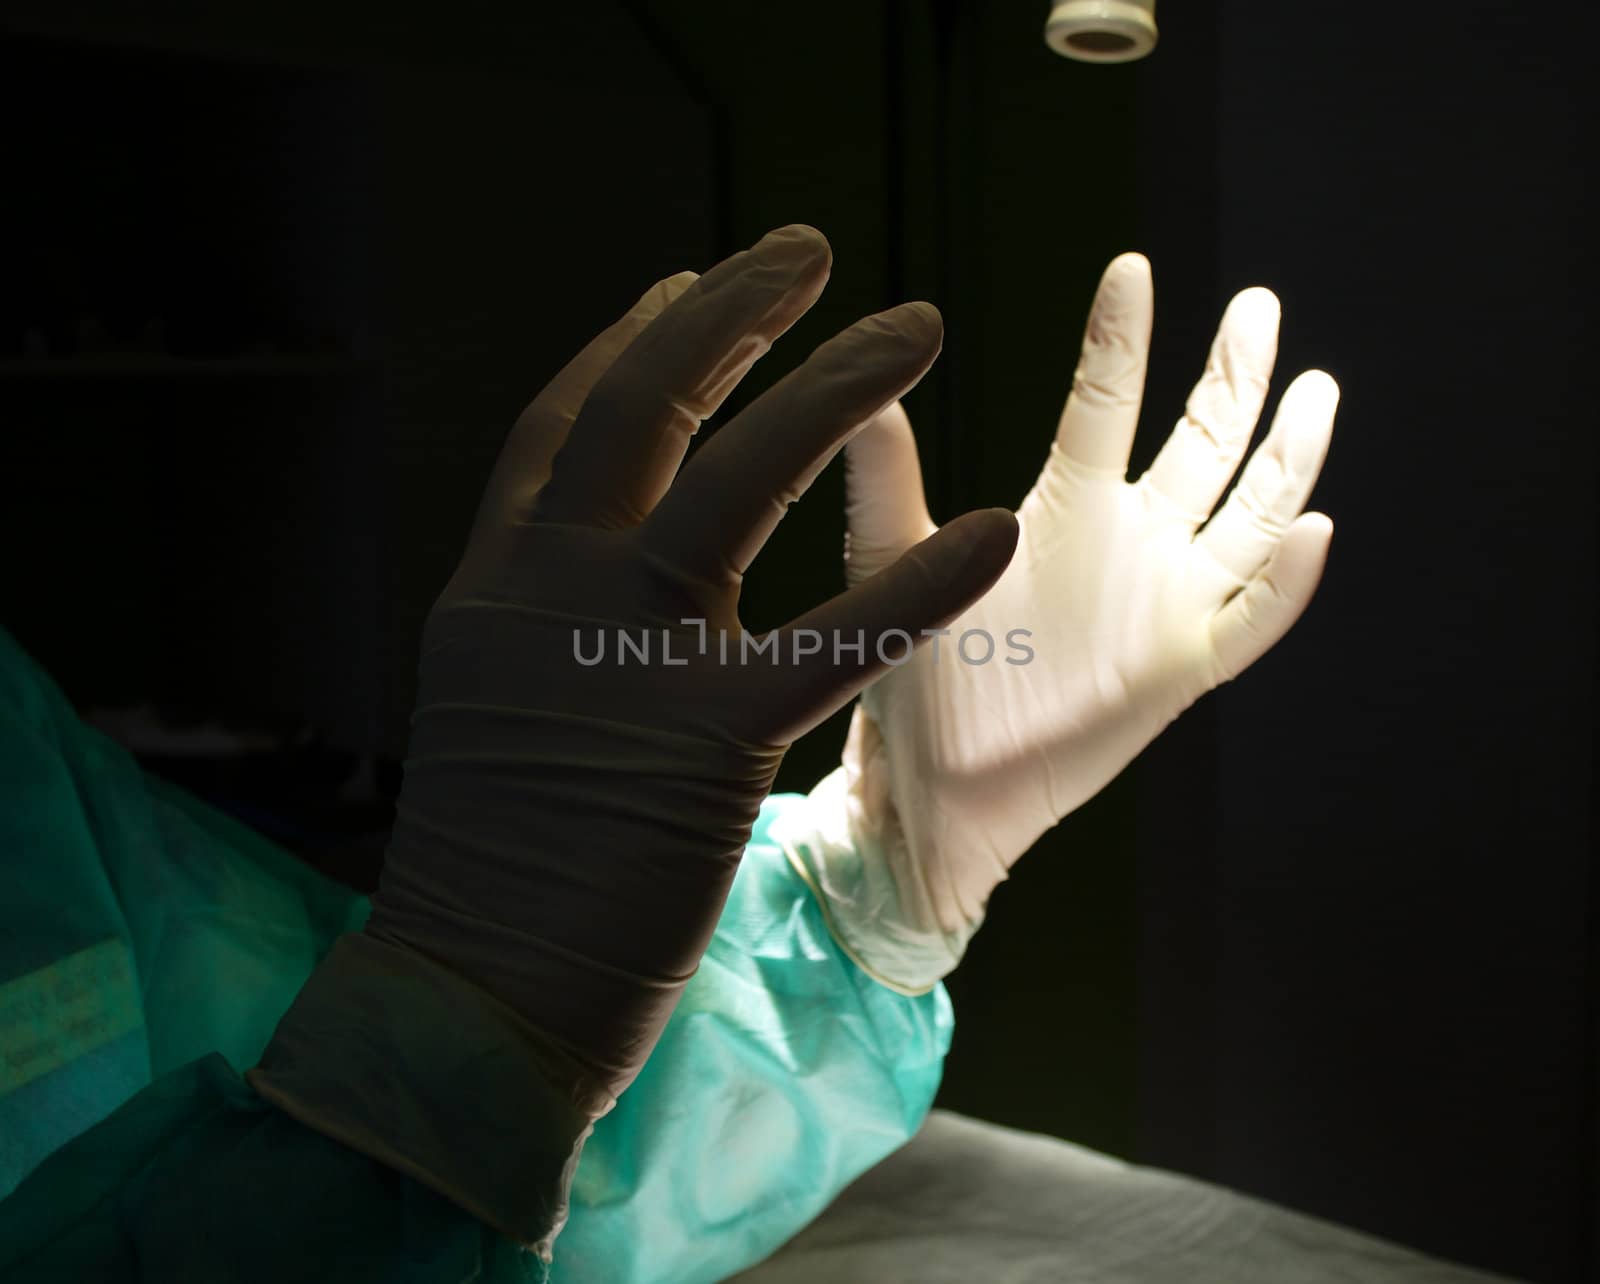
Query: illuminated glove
(585, 767)
(1132, 611)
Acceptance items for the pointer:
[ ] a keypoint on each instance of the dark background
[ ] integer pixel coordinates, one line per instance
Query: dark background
(279, 276)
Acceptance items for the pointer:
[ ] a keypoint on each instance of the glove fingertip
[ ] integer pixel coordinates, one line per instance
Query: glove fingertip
(987, 539)
(1319, 525)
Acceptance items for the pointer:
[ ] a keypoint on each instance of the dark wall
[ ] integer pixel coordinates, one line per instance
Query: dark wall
(286, 274)
(1367, 973)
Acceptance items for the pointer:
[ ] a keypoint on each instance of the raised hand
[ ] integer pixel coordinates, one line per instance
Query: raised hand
(1136, 598)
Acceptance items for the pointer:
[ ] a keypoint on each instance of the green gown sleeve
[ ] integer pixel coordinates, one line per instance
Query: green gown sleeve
(150, 946)
(196, 1178)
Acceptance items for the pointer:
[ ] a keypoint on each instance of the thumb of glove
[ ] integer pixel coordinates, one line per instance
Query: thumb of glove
(885, 510)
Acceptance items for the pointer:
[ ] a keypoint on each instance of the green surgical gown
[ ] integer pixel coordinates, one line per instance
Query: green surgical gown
(149, 945)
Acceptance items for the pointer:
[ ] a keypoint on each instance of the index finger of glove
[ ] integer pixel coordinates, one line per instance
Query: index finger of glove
(886, 511)
(636, 423)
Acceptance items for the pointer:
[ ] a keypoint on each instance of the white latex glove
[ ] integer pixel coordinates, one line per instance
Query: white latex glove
(1136, 603)
(568, 829)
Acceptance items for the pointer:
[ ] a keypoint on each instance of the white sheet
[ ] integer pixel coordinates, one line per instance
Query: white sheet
(966, 1202)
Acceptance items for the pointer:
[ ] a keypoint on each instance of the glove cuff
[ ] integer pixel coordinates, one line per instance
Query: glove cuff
(399, 1058)
(847, 856)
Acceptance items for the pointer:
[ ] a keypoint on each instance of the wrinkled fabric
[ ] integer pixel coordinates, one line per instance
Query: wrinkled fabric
(968, 1201)
(151, 946)
(177, 931)
(408, 1062)
(197, 1179)
(784, 1073)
